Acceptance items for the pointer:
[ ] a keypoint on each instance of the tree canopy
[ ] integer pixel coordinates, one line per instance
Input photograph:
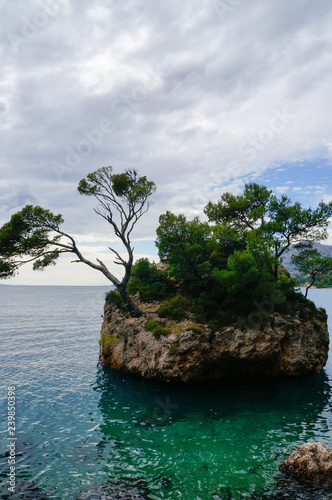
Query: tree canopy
(187, 247)
(279, 221)
(34, 234)
(312, 265)
(222, 267)
(227, 265)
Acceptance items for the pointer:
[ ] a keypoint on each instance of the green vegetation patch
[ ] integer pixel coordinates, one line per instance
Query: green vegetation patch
(175, 308)
(107, 339)
(320, 324)
(157, 328)
(114, 298)
(150, 282)
(230, 265)
(195, 329)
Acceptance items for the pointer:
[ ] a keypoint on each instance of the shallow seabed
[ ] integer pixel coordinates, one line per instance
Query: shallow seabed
(82, 428)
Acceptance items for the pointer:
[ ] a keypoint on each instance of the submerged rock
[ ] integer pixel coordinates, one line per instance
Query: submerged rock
(311, 462)
(281, 346)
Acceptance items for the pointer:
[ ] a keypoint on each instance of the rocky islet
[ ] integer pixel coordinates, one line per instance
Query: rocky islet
(282, 346)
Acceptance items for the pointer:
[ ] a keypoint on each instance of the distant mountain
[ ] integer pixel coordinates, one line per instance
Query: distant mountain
(324, 250)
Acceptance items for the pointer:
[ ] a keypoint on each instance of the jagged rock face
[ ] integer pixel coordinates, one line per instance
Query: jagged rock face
(291, 347)
(311, 462)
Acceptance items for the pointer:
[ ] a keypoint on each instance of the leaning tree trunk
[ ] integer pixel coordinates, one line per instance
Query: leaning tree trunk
(307, 288)
(133, 309)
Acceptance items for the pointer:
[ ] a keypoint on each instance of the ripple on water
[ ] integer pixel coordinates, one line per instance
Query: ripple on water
(82, 428)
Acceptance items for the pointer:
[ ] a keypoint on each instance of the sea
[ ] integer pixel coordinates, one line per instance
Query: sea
(78, 430)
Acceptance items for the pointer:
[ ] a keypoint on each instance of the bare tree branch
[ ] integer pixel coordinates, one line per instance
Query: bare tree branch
(35, 232)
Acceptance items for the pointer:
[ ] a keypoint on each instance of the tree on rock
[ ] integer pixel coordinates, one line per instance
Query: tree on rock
(310, 262)
(280, 222)
(34, 234)
(229, 265)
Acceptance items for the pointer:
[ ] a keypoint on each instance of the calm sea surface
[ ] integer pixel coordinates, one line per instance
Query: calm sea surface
(81, 427)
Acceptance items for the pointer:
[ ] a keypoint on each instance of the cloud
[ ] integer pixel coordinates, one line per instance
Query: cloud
(195, 98)
(282, 189)
(13, 197)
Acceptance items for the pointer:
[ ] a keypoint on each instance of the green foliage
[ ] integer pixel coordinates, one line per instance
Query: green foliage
(114, 298)
(34, 234)
(122, 184)
(127, 186)
(7, 269)
(312, 265)
(131, 187)
(243, 280)
(325, 282)
(240, 212)
(280, 222)
(150, 282)
(47, 260)
(229, 268)
(188, 248)
(227, 241)
(29, 233)
(125, 195)
(209, 307)
(310, 262)
(195, 329)
(107, 339)
(320, 324)
(157, 328)
(86, 187)
(175, 308)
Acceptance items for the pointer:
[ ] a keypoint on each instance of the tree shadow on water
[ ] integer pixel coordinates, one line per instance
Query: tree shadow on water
(266, 419)
(299, 399)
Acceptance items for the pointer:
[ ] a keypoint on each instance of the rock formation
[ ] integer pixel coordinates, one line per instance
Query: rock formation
(188, 352)
(311, 462)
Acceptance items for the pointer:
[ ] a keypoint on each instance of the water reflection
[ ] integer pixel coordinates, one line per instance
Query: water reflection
(207, 440)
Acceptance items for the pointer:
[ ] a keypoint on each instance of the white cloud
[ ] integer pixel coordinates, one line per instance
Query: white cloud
(193, 101)
(282, 189)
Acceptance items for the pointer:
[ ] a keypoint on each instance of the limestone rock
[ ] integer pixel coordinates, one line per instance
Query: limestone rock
(311, 462)
(282, 346)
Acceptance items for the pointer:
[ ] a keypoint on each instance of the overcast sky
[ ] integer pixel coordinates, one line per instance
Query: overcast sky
(199, 96)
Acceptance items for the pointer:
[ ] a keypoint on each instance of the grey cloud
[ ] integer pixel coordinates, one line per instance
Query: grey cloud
(14, 197)
(214, 83)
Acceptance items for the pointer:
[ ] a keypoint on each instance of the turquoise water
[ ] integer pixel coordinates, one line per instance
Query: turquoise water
(82, 427)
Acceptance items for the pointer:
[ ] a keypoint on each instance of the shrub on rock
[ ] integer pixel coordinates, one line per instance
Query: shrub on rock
(175, 308)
